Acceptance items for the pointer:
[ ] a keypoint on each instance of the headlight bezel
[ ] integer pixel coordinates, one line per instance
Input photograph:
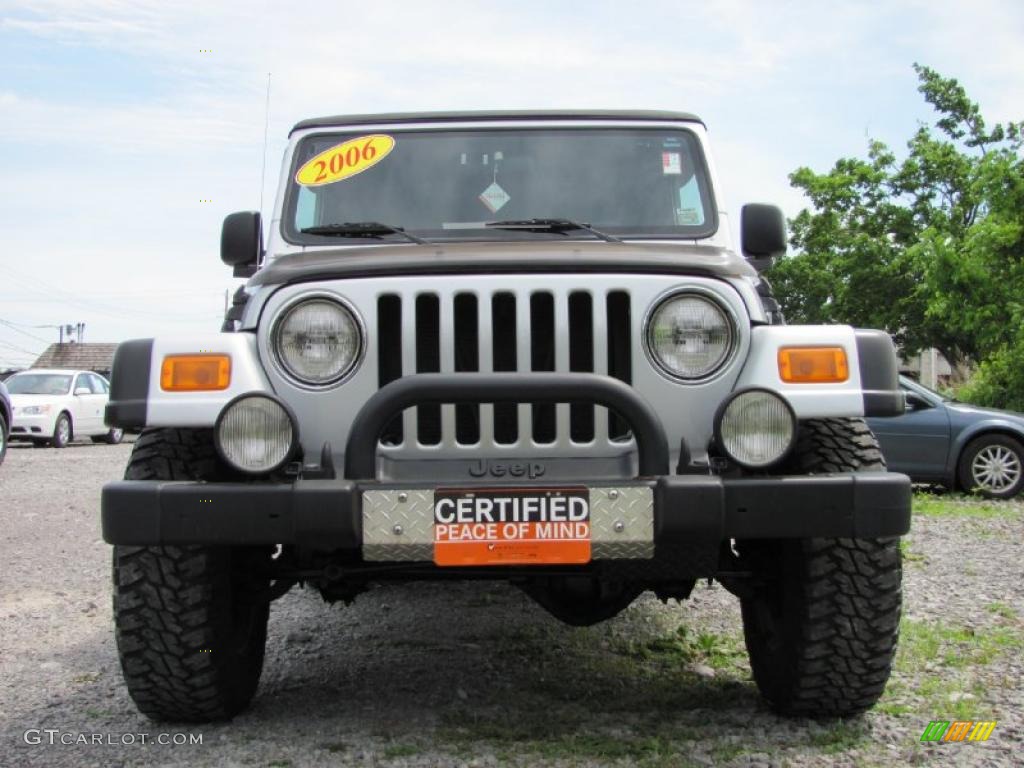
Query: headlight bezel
(282, 314)
(720, 416)
(732, 324)
(289, 454)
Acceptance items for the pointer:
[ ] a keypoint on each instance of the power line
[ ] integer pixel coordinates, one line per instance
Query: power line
(13, 327)
(20, 349)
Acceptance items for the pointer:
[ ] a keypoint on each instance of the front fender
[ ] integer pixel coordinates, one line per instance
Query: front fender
(872, 388)
(137, 400)
(968, 433)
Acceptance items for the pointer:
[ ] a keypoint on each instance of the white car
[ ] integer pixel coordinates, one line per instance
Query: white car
(55, 406)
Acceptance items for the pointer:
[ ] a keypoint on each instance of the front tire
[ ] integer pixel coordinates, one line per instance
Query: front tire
(992, 465)
(191, 621)
(62, 433)
(822, 622)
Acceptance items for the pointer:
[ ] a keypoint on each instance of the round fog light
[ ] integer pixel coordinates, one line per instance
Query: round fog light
(756, 428)
(255, 434)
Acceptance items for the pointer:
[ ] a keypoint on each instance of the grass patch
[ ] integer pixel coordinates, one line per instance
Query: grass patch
(908, 556)
(1002, 609)
(565, 738)
(962, 505)
(922, 641)
(394, 751)
(684, 647)
(943, 660)
(840, 736)
(86, 678)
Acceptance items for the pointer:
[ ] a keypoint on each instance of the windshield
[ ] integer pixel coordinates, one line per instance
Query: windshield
(448, 184)
(926, 392)
(38, 384)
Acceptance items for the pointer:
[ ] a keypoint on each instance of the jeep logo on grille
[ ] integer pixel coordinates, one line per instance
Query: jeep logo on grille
(531, 469)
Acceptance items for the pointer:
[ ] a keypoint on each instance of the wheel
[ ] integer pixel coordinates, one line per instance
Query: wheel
(822, 619)
(191, 621)
(61, 431)
(992, 466)
(3, 438)
(113, 437)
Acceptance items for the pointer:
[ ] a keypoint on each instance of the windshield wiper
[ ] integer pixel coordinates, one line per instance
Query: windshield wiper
(552, 225)
(361, 229)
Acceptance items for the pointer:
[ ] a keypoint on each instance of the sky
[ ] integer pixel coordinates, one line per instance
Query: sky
(130, 128)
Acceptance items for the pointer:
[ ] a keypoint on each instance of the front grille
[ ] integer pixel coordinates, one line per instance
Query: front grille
(504, 331)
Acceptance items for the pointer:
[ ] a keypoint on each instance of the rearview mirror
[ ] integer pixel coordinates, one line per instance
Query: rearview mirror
(762, 234)
(241, 242)
(82, 391)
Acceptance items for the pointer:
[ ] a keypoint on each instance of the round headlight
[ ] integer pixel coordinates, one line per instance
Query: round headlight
(689, 336)
(756, 428)
(317, 341)
(255, 433)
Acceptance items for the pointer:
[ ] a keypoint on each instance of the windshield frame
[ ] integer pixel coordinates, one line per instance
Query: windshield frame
(704, 176)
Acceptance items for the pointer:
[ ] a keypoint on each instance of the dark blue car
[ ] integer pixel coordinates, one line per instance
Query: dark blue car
(939, 440)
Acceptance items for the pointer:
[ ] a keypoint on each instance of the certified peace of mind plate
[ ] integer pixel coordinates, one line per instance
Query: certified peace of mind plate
(511, 526)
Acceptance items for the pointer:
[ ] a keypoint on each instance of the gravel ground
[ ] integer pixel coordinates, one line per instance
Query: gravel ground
(430, 674)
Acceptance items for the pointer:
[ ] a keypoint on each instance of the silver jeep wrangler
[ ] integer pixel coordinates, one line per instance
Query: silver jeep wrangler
(513, 346)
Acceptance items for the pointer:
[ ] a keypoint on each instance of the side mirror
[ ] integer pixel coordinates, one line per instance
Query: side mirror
(82, 391)
(915, 402)
(241, 242)
(762, 234)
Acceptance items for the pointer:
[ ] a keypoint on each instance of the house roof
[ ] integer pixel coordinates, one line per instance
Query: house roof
(87, 357)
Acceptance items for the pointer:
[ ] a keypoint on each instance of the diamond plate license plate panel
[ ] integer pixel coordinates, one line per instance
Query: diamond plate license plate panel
(400, 525)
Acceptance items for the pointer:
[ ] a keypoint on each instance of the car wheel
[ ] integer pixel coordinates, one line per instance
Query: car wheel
(992, 465)
(112, 437)
(61, 432)
(3, 438)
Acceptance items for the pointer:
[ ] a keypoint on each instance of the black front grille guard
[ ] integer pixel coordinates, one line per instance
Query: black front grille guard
(442, 388)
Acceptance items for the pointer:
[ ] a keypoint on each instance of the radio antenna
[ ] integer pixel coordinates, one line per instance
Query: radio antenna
(266, 125)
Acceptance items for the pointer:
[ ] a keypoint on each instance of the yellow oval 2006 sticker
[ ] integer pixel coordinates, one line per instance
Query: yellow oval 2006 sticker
(344, 160)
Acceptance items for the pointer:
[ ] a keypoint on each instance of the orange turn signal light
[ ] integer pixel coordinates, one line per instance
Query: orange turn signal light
(813, 365)
(195, 373)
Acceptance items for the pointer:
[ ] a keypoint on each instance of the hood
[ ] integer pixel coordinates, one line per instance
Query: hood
(977, 410)
(502, 257)
(20, 401)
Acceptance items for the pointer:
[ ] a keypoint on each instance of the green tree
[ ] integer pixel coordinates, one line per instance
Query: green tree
(930, 247)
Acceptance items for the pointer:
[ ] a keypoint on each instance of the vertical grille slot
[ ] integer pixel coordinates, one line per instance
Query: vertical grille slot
(620, 361)
(467, 359)
(581, 360)
(428, 360)
(542, 358)
(389, 355)
(503, 342)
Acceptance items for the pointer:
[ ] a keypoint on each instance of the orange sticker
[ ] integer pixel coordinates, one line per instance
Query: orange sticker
(344, 160)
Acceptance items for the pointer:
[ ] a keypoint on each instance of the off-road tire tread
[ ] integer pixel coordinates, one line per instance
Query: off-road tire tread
(845, 632)
(170, 605)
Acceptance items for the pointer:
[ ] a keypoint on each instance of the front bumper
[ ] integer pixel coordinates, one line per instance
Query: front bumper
(673, 526)
(327, 515)
(32, 426)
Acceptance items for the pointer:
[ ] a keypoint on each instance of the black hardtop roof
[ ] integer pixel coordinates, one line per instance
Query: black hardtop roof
(441, 117)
